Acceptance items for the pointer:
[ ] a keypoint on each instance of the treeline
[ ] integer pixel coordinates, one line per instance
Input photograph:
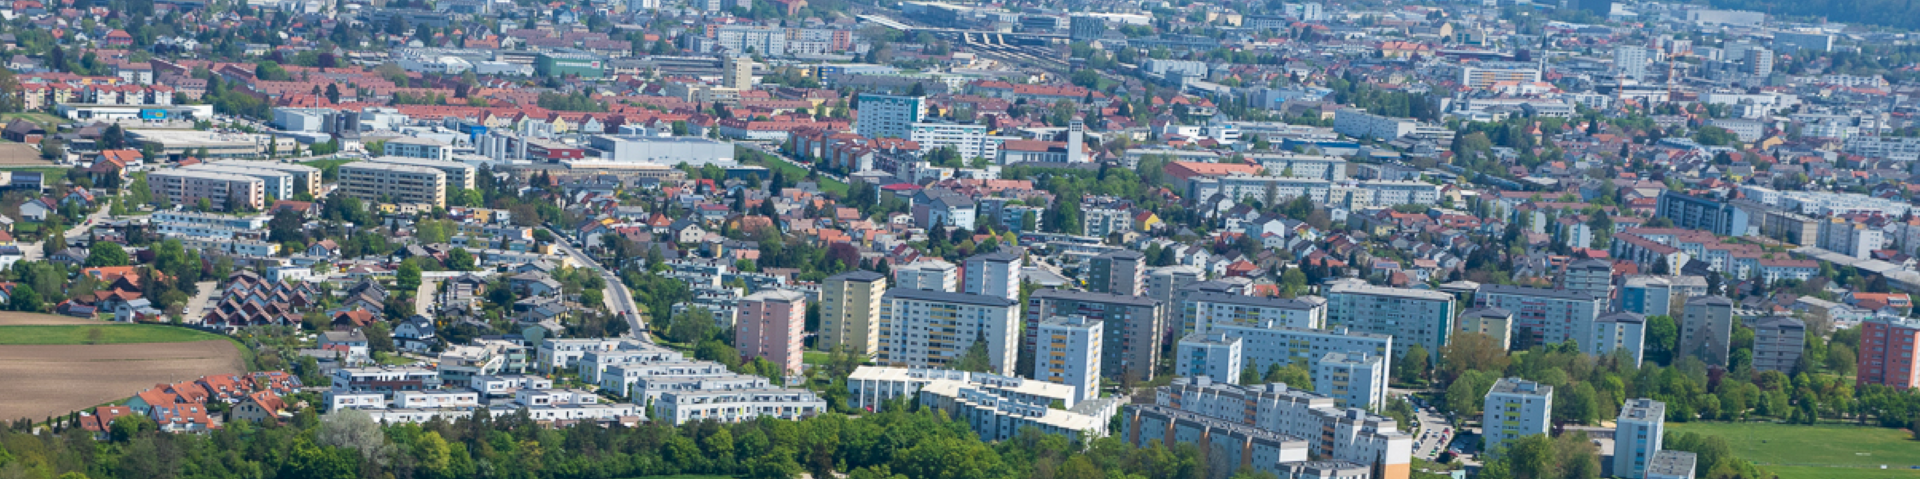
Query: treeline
(1892, 13)
(893, 444)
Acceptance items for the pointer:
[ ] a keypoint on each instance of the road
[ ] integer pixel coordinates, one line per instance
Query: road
(618, 299)
(196, 309)
(34, 251)
(1434, 434)
(424, 298)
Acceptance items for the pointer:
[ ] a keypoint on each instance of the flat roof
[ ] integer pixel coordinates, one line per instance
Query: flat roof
(369, 165)
(213, 175)
(1536, 292)
(1077, 295)
(1367, 289)
(408, 160)
(943, 296)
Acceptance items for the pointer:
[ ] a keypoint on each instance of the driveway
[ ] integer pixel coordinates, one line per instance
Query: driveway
(196, 309)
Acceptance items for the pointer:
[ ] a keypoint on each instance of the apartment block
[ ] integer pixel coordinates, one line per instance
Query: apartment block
(1069, 353)
(1514, 408)
(1671, 464)
(410, 147)
(1227, 446)
(873, 386)
(730, 406)
(1886, 352)
(278, 184)
(1543, 316)
(1637, 435)
(1216, 356)
(1778, 342)
(1270, 343)
(186, 187)
(1163, 282)
(1621, 331)
(1410, 316)
(1353, 380)
(1689, 212)
(934, 329)
(1332, 433)
(459, 175)
(393, 183)
(997, 418)
(1134, 328)
(769, 325)
(1208, 310)
(849, 311)
(929, 275)
(1706, 330)
(1121, 272)
(994, 274)
(889, 116)
(1496, 323)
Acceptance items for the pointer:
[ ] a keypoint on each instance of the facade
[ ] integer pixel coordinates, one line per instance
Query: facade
(1706, 330)
(1134, 327)
(637, 150)
(1694, 213)
(1850, 238)
(1268, 344)
(1353, 380)
(995, 274)
(737, 73)
(1122, 272)
(569, 64)
(971, 140)
(1069, 353)
(1621, 331)
(1515, 408)
(1331, 433)
(1591, 276)
(279, 184)
(1496, 323)
(1489, 74)
(1163, 282)
(1227, 446)
(769, 324)
(1208, 311)
(996, 417)
(1543, 316)
(872, 387)
(1646, 295)
(1637, 435)
(389, 182)
(889, 116)
(928, 275)
(730, 406)
(1778, 342)
(933, 329)
(849, 309)
(423, 148)
(186, 187)
(459, 175)
(1886, 345)
(1215, 356)
(1410, 316)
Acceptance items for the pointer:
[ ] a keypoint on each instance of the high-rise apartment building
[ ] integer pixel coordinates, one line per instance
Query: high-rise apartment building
(1353, 380)
(849, 309)
(393, 183)
(1759, 62)
(1216, 356)
(1118, 272)
(1886, 352)
(1135, 326)
(185, 187)
(1631, 61)
(1694, 213)
(889, 116)
(1637, 435)
(1543, 316)
(1647, 295)
(1411, 316)
(994, 274)
(1620, 331)
(1778, 342)
(1164, 281)
(1069, 353)
(737, 73)
(930, 274)
(1496, 323)
(1269, 344)
(1210, 310)
(1592, 276)
(769, 324)
(1332, 433)
(1706, 330)
(932, 329)
(1514, 408)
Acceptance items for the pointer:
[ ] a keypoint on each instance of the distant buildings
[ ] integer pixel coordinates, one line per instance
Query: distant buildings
(1266, 345)
(1544, 316)
(1514, 408)
(1133, 327)
(1282, 426)
(393, 183)
(1694, 213)
(888, 116)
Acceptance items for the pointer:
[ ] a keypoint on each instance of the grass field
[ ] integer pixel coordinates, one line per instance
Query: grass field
(45, 120)
(1819, 451)
(795, 173)
(103, 333)
(814, 357)
(21, 154)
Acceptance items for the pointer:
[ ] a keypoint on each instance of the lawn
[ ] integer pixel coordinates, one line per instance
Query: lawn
(793, 173)
(815, 357)
(45, 120)
(1818, 451)
(107, 333)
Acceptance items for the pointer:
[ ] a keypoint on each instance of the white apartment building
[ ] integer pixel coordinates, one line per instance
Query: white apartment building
(1353, 380)
(928, 274)
(1514, 408)
(995, 274)
(1358, 123)
(1267, 344)
(996, 418)
(460, 175)
(594, 361)
(565, 353)
(1850, 238)
(1164, 281)
(1488, 73)
(1393, 193)
(972, 141)
(278, 184)
(1620, 331)
(932, 329)
(888, 116)
(1208, 310)
(1216, 355)
(1631, 61)
(185, 223)
(188, 187)
(1332, 433)
(389, 182)
(1068, 352)
(730, 406)
(424, 148)
(873, 386)
(1637, 435)
(1410, 316)
(1330, 168)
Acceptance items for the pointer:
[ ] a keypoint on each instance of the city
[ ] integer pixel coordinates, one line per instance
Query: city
(772, 239)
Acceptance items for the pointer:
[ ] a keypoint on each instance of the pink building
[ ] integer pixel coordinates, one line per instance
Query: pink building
(769, 325)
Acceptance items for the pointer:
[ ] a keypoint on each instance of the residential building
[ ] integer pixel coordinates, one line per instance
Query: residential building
(1706, 330)
(1410, 316)
(1592, 276)
(737, 73)
(1778, 342)
(970, 140)
(1637, 435)
(769, 324)
(393, 183)
(1268, 344)
(1619, 331)
(1216, 355)
(1210, 310)
(1850, 238)
(221, 191)
(459, 175)
(1121, 272)
(1486, 74)
(1132, 338)
(1886, 352)
(1515, 408)
(849, 311)
(1646, 295)
(996, 417)
(1543, 316)
(1671, 464)
(1228, 446)
(929, 274)
(730, 406)
(1496, 323)
(872, 387)
(995, 274)
(1352, 379)
(1689, 212)
(411, 147)
(1069, 353)
(933, 329)
(1164, 281)
(1331, 432)
(888, 116)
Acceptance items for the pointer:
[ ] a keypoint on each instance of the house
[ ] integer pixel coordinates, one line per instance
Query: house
(325, 248)
(182, 418)
(349, 320)
(37, 209)
(415, 334)
(259, 406)
(684, 231)
(137, 309)
(351, 346)
(100, 421)
(533, 284)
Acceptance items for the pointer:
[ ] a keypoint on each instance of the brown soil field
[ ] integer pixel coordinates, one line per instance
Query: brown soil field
(21, 154)
(9, 318)
(41, 381)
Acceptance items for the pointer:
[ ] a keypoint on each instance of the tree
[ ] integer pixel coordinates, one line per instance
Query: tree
(1471, 352)
(976, 358)
(691, 326)
(460, 260)
(114, 138)
(354, 429)
(107, 253)
(333, 93)
(408, 278)
(24, 299)
(1414, 364)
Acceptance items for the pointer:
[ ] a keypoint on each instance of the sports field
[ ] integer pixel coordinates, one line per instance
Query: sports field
(1819, 451)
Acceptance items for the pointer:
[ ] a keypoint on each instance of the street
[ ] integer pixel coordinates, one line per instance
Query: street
(34, 251)
(618, 299)
(1435, 432)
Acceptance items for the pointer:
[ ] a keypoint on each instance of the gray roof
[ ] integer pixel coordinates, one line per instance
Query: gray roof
(1711, 300)
(1121, 254)
(946, 297)
(995, 257)
(1536, 292)
(1303, 302)
(1487, 313)
(1089, 296)
(1621, 317)
(863, 276)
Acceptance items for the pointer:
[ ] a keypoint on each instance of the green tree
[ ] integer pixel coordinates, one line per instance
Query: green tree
(24, 299)
(408, 277)
(107, 253)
